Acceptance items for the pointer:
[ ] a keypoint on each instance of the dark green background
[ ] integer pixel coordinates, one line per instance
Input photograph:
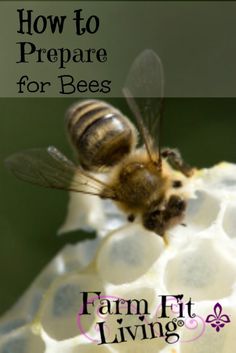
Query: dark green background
(203, 129)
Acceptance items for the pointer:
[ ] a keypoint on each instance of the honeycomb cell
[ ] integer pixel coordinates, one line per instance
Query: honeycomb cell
(128, 254)
(202, 211)
(201, 271)
(220, 179)
(22, 341)
(62, 304)
(11, 325)
(229, 220)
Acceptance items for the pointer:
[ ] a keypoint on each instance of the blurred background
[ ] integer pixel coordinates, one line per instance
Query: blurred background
(203, 129)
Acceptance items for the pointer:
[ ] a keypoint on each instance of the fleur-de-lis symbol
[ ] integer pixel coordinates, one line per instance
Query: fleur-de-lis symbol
(218, 320)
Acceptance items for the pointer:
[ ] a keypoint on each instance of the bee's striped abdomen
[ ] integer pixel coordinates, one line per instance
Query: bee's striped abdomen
(101, 135)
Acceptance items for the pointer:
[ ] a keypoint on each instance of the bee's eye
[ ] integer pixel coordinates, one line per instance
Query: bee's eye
(177, 184)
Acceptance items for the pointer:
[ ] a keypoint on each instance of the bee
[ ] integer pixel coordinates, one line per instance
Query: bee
(144, 181)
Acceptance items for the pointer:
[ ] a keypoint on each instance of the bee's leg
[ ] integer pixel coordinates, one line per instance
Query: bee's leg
(131, 218)
(174, 158)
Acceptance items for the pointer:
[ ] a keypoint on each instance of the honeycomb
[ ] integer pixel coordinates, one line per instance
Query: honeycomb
(126, 262)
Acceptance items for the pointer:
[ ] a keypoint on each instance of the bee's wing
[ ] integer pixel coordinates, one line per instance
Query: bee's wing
(144, 91)
(51, 169)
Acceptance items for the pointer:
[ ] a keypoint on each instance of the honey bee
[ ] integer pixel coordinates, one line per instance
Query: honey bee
(140, 180)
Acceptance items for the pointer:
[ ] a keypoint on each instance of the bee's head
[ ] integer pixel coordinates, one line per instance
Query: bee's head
(160, 216)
